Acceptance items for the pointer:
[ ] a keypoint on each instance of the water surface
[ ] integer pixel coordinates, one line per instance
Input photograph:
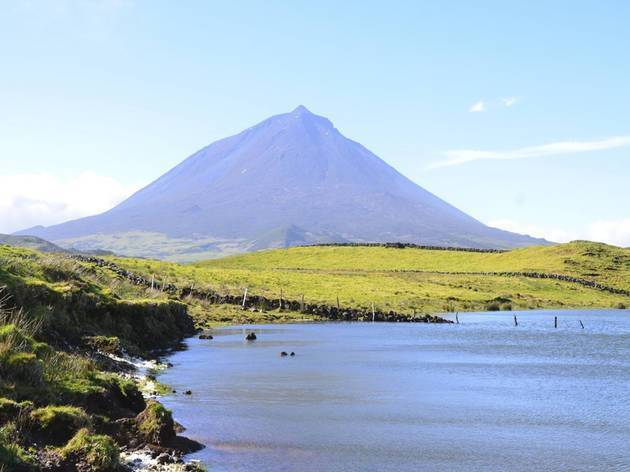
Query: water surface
(481, 395)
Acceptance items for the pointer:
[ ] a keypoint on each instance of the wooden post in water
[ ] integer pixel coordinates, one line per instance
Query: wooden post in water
(515, 321)
(245, 297)
(373, 314)
(457, 317)
(555, 321)
(581, 324)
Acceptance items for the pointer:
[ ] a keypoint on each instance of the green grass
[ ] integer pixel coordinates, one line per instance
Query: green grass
(57, 424)
(98, 452)
(412, 279)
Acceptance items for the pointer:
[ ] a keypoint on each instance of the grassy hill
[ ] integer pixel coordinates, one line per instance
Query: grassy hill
(69, 310)
(62, 399)
(416, 279)
(31, 242)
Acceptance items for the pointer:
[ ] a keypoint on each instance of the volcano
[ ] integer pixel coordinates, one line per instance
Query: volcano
(292, 179)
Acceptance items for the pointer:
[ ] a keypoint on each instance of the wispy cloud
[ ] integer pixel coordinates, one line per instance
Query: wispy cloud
(510, 101)
(461, 156)
(478, 107)
(485, 105)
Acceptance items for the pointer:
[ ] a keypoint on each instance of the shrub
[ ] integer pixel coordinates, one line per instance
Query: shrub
(10, 410)
(108, 344)
(12, 455)
(97, 452)
(493, 306)
(621, 306)
(57, 424)
(155, 423)
(20, 366)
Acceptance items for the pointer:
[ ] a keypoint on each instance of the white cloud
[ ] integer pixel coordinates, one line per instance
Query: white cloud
(42, 199)
(509, 101)
(461, 156)
(478, 107)
(551, 234)
(616, 232)
(485, 105)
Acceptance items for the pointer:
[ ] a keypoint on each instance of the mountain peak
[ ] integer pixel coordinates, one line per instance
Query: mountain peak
(302, 110)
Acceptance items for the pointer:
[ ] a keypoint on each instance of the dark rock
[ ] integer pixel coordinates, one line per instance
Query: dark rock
(251, 337)
(165, 458)
(283, 354)
(292, 354)
(188, 392)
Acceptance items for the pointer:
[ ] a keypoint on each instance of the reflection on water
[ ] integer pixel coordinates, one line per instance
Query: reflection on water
(481, 395)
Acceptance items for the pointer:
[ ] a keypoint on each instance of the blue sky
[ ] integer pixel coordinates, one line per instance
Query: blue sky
(515, 112)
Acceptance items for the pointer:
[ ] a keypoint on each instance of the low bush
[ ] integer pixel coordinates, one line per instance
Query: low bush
(156, 424)
(107, 344)
(93, 452)
(55, 425)
(13, 457)
(10, 410)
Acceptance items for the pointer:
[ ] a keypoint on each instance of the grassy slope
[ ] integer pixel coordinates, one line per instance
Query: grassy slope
(30, 242)
(407, 279)
(58, 400)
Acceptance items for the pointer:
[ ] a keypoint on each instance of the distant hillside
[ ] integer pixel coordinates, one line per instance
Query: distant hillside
(574, 275)
(39, 244)
(597, 262)
(289, 180)
(31, 242)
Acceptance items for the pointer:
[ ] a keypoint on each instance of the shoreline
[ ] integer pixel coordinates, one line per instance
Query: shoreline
(153, 457)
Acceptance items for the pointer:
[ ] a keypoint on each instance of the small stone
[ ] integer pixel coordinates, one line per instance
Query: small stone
(188, 392)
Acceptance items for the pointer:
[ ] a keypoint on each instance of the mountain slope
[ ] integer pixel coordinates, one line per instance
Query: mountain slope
(294, 170)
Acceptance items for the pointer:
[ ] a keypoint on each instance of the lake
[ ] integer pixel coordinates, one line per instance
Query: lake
(480, 395)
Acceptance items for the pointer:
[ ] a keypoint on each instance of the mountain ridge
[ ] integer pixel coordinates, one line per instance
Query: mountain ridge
(292, 169)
